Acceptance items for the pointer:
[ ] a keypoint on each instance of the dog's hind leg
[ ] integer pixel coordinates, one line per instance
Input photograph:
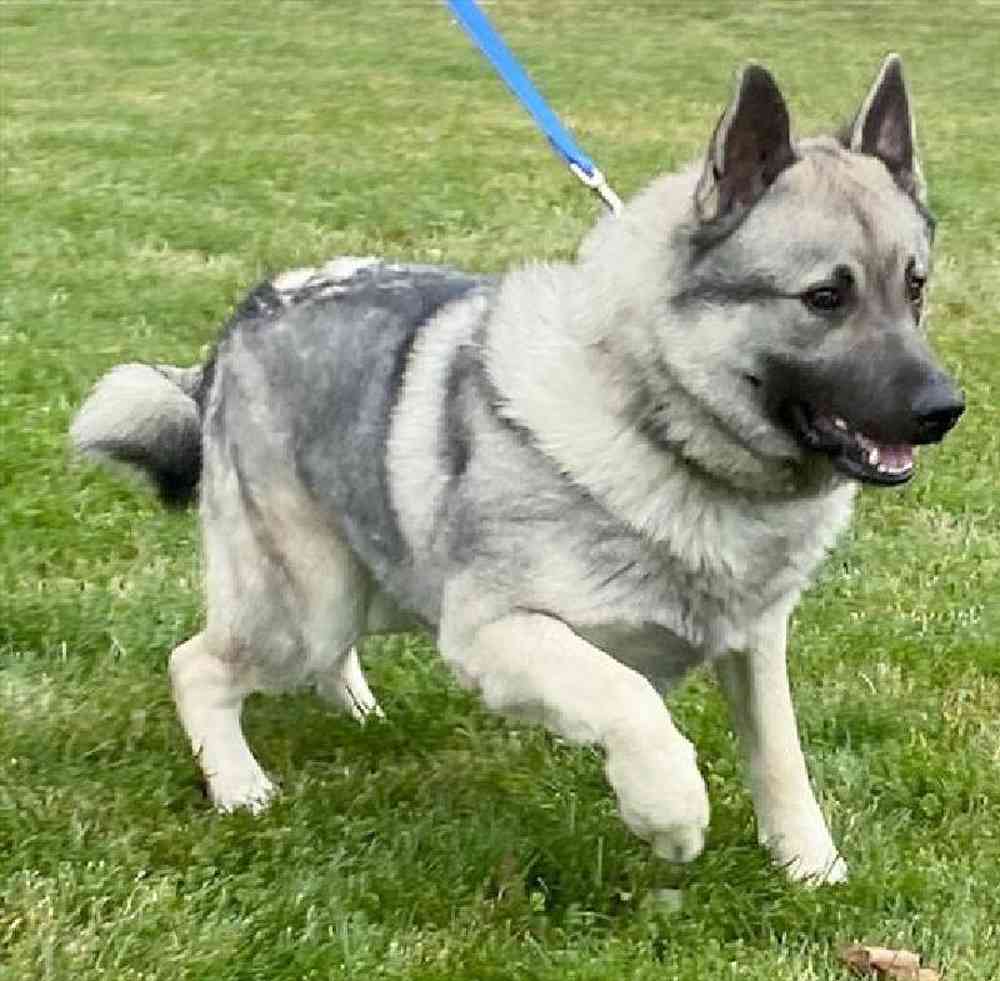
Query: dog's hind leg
(280, 616)
(534, 666)
(209, 693)
(286, 601)
(789, 820)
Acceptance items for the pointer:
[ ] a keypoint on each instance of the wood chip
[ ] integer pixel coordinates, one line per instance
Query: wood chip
(883, 962)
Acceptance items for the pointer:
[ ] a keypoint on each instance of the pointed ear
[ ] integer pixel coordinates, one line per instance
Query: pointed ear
(751, 146)
(884, 127)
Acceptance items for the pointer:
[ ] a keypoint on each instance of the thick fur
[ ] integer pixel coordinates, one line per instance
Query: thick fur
(580, 476)
(147, 417)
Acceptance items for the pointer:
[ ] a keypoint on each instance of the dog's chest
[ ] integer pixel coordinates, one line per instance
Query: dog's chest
(664, 609)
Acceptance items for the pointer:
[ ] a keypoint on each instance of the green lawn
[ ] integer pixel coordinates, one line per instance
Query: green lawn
(158, 158)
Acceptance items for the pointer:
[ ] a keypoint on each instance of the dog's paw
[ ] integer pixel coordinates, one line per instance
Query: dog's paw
(662, 798)
(680, 843)
(357, 700)
(348, 691)
(251, 791)
(807, 854)
(827, 872)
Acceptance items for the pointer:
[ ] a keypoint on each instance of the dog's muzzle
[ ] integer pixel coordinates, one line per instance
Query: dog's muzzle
(935, 409)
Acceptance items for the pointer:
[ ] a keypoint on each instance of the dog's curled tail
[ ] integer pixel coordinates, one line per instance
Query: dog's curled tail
(149, 418)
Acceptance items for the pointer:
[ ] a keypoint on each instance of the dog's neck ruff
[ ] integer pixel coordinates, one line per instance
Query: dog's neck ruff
(579, 404)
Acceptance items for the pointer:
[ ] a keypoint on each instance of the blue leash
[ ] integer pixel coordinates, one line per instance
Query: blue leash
(491, 44)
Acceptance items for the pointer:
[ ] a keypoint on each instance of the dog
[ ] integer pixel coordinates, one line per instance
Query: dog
(585, 478)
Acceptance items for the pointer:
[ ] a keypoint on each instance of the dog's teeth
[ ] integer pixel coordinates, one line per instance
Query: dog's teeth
(873, 456)
(839, 423)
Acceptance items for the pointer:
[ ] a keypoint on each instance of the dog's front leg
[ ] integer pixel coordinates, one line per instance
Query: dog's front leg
(533, 666)
(789, 820)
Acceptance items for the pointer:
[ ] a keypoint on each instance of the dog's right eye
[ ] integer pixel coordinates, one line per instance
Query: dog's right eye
(832, 295)
(824, 299)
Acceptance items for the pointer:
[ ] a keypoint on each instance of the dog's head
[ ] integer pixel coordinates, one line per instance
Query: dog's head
(807, 269)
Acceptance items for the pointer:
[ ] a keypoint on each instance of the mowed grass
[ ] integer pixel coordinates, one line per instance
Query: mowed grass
(159, 157)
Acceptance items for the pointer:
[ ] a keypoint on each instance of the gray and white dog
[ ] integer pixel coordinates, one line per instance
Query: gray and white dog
(586, 478)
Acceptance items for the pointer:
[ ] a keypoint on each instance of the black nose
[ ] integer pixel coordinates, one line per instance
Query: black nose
(936, 409)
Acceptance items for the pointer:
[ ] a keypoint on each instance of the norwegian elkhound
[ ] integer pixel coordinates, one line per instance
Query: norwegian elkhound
(586, 478)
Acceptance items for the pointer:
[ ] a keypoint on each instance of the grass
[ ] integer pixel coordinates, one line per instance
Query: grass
(158, 157)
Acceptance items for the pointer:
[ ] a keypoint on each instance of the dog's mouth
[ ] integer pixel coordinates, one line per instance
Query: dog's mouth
(853, 452)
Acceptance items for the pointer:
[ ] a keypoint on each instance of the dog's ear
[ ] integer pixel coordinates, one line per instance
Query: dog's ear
(884, 127)
(751, 146)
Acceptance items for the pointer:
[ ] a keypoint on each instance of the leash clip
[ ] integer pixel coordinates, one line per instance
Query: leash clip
(597, 182)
